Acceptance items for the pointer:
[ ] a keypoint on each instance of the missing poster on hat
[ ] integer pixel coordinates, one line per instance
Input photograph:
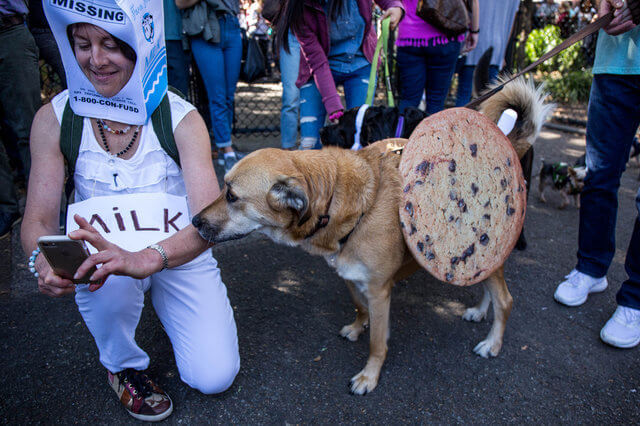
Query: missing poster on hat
(139, 24)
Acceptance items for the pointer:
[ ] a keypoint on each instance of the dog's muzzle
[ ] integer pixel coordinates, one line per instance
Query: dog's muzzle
(205, 229)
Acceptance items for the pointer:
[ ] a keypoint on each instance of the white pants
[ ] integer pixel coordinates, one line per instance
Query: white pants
(191, 302)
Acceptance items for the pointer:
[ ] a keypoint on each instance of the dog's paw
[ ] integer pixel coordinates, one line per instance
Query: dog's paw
(488, 348)
(474, 314)
(351, 332)
(361, 383)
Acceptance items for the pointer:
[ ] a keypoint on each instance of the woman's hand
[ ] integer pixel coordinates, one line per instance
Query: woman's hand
(48, 282)
(114, 260)
(470, 42)
(396, 14)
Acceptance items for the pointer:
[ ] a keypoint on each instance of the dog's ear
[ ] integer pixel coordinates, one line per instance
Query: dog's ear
(288, 194)
(571, 171)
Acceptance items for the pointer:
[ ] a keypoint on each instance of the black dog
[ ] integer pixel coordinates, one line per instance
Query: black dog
(379, 123)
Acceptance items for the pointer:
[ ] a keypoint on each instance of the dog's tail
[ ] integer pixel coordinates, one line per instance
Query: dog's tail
(527, 100)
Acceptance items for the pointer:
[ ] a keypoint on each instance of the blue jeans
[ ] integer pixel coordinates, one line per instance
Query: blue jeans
(312, 111)
(219, 65)
(428, 69)
(289, 66)
(613, 117)
(177, 66)
(465, 80)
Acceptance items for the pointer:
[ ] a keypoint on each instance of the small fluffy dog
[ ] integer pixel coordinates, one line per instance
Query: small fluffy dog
(566, 179)
(343, 205)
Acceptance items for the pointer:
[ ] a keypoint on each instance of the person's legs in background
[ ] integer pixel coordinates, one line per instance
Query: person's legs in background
(411, 76)
(19, 101)
(49, 52)
(232, 52)
(289, 66)
(441, 63)
(465, 82)
(312, 115)
(355, 85)
(177, 66)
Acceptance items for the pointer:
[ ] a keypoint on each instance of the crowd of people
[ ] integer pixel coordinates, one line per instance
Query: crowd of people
(320, 44)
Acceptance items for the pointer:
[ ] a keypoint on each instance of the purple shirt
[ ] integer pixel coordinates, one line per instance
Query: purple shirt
(315, 43)
(13, 7)
(415, 31)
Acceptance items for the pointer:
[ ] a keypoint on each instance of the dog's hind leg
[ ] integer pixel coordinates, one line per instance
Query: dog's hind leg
(379, 301)
(479, 312)
(502, 303)
(353, 330)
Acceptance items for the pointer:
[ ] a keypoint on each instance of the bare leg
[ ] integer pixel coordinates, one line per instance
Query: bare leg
(353, 330)
(379, 302)
(502, 303)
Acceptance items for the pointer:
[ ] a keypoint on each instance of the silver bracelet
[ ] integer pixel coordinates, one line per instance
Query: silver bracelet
(160, 249)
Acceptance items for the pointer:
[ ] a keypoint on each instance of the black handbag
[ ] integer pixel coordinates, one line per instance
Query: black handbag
(452, 17)
(254, 66)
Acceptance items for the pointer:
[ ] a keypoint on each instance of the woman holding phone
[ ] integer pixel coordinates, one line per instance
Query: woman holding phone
(126, 160)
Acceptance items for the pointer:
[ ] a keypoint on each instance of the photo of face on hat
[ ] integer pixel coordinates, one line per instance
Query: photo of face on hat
(114, 55)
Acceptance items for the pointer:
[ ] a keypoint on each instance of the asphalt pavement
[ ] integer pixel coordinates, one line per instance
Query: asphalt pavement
(289, 307)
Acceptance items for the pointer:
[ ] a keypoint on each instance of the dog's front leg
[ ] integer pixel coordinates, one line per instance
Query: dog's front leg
(502, 303)
(379, 301)
(479, 312)
(353, 330)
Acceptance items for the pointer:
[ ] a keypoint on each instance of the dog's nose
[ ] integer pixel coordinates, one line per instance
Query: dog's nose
(197, 221)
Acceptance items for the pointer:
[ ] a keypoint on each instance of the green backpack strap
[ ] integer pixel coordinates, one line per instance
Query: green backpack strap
(70, 138)
(161, 120)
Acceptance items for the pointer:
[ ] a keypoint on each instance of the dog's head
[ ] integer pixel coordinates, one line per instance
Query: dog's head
(340, 134)
(267, 192)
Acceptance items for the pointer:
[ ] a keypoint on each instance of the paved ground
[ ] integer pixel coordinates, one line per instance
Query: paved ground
(289, 307)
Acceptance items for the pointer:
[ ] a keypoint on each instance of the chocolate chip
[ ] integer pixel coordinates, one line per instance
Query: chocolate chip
(470, 250)
(503, 183)
(448, 276)
(452, 195)
(420, 246)
(419, 182)
(422, 168)
(427, 238)
(451, 218)
(453, 181)
(409, 208)
(452, 166)
(510, 211)
(474, 229)
(474, 149)
(496, 168)
(484, 239)
(506, 198)
(429, 255)
(474, 188)
(477, 274)
(487, 204)
(413, 229)
(487, 216)
(462, 205)
(455, 260)
(508, 161)
(401, 224)
(407, 188)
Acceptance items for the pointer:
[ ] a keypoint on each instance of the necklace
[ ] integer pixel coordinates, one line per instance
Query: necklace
(102, 123)
(104, 139)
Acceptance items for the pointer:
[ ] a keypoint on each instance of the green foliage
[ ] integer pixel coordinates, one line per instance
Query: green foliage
(544, 39)
(571, 87)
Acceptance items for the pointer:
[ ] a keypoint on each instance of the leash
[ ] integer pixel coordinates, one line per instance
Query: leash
(381, 46)
(596, 25)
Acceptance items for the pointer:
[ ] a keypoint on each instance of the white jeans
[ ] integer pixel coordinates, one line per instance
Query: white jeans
(191, 302)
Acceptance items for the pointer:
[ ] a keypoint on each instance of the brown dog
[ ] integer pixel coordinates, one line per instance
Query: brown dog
(343, 205)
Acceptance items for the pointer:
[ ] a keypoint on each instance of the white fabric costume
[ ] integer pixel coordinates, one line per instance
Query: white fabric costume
(190, 300)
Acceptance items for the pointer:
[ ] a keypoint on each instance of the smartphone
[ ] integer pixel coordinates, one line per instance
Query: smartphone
(65, 256)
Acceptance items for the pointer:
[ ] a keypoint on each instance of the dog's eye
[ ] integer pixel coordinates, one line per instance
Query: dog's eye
(231, 198)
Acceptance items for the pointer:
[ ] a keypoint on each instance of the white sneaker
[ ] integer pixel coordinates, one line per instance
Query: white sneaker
(577, 286)
(623, 328)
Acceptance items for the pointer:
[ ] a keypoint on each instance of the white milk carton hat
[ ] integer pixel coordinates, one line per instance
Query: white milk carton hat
(140, 24)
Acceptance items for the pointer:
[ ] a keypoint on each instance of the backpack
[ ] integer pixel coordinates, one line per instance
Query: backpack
(71, 135)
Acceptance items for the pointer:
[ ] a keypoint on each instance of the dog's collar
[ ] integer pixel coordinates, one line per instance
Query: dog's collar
(322, 222)
(359, 119)
(400, 126)
(344, 239)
